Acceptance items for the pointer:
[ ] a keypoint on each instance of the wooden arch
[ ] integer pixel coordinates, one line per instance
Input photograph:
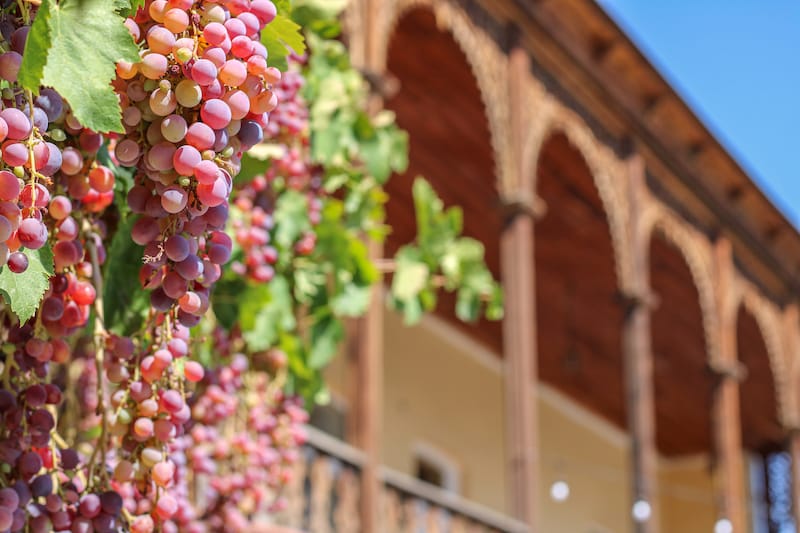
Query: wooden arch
(609, 174)
(769, 320)
(694, 248)
(487, 62)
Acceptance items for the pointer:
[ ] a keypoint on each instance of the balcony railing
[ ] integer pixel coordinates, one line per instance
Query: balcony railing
(324, 498)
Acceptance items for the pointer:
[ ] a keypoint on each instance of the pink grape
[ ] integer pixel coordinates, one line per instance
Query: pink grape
(193, 371)
(185, 160)
(9, 186)
(200, 135)
(213, 194)
(174, 199)
(32, 233)
(19, 127)
(204, 72)
(215, 113)
(206, 172)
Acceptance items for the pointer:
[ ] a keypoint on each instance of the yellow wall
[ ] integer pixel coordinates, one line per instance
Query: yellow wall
(443, 390)
(434, 394)
(592, 458)
(687, 502)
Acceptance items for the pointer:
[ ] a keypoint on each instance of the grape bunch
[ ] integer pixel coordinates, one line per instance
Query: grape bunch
(289, 169)
(242, 443)
(50, 193)
(200, 97)
(37, 136)
(45, 479)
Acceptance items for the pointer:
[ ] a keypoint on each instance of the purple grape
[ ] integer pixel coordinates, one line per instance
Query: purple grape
(69, 459)
(51, 102)
(111, 503)
(29, 464)
(250, 133)
(42, 486)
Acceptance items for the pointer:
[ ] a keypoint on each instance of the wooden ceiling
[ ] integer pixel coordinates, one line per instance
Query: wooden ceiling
(579, 318)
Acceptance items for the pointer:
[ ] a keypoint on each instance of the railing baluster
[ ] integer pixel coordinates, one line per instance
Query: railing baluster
(346, 515)
(324, 497)
(321, 485)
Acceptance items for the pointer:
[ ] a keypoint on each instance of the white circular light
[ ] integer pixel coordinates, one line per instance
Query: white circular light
(723, 525)
(559, 491)
(641, 511)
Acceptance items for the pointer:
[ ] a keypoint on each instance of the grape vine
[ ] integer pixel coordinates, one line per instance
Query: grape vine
(145, 385)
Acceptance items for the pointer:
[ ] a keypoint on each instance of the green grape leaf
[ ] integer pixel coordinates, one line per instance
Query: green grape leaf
(81, 40)
(385, 152)
(265, 312)
(352, 301)
(284, 7)
(229, 294)
(31, 71)
(291, 218)
(125, 303)
(410, 276)
(23, 292)
(278, 37)
(326, 334)
(468, 305)
(129, 8)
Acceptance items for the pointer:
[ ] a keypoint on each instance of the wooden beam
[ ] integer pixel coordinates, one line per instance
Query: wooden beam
(369, 388)
(726, 418)
(638, 360)
(519, 326)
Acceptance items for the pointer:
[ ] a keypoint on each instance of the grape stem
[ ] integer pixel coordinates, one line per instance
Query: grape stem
(23, 9)
(100, 335)
(7, 368)
(30, 143)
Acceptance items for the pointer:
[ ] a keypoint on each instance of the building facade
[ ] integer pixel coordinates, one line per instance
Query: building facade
(644, 377)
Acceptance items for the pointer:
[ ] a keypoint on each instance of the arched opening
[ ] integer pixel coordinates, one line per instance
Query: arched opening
(683, 387)
(683, 383)
(439, 104)
(439, 368)
(579, 321)
(578, 311)
(762, 435)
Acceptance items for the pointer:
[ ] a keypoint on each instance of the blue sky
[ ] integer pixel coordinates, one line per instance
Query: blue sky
(737, 64)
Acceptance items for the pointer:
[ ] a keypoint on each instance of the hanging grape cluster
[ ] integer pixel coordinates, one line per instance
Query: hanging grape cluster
(198, 99)
(289, 169)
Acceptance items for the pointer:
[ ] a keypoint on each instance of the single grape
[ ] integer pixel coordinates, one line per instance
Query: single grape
(17, 262)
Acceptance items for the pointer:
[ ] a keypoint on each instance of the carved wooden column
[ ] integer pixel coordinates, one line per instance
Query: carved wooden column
(368, 408)
(638, 358)
(369, 388)
(726, 419)
(519, 325)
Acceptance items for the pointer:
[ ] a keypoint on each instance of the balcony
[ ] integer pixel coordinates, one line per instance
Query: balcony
(324, 498)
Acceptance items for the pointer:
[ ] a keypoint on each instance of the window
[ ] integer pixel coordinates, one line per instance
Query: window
(435, 467)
